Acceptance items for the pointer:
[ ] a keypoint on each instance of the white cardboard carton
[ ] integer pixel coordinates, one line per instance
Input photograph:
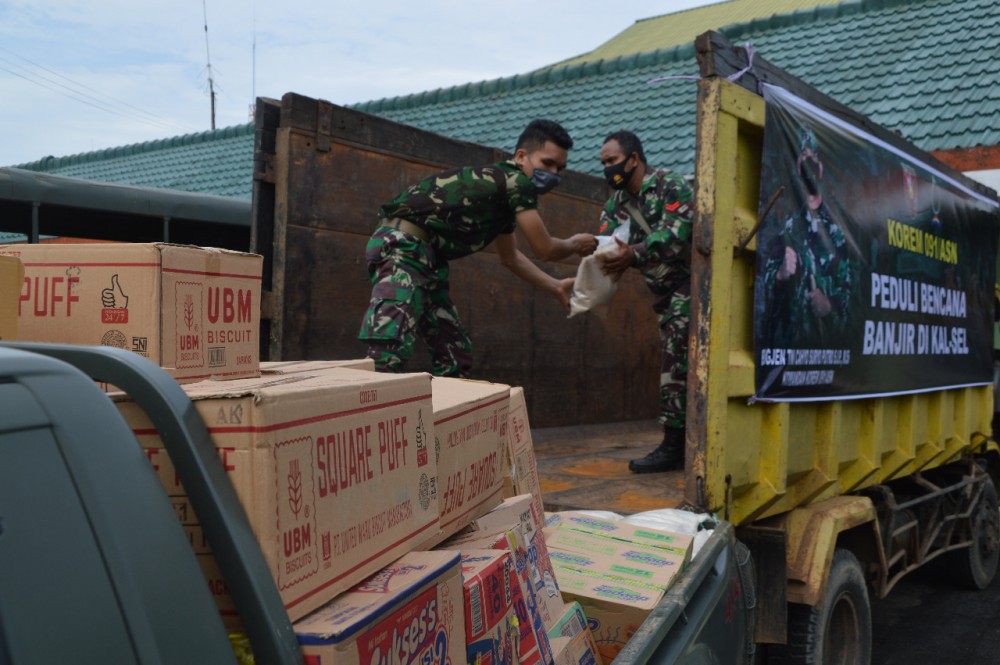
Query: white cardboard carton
(193, 311)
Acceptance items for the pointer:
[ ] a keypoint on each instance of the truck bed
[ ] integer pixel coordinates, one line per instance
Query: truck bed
(585, 467)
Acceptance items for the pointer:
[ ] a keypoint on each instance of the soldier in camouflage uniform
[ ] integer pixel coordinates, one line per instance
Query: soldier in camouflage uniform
(450, 215)
(657, 206)
(809, 273)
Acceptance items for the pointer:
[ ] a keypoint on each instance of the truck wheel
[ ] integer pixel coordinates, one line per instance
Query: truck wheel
(839, 631)
(975, 567)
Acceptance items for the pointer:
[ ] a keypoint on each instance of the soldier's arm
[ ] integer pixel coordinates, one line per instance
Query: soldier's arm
(520, 265)
(547, 248)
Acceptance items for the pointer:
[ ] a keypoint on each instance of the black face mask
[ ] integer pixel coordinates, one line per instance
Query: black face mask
(616, 175)
(544, 181)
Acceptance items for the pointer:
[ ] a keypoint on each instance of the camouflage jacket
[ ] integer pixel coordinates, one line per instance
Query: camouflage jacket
(824, 264)
(666, 204)
(465, 209)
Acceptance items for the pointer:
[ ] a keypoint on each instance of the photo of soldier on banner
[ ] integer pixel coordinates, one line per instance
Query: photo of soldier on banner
(875, 272)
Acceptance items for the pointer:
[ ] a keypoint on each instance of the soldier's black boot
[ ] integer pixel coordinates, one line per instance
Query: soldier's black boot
(669, 455)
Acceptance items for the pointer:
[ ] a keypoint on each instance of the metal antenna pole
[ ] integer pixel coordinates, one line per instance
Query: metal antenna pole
(208, 59)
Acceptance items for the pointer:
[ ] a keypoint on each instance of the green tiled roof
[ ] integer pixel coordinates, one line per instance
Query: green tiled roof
(927, 68)
(680, 28)
(216, 162)
(924, 67)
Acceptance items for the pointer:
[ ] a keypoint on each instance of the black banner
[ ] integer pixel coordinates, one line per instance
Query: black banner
(875, 272)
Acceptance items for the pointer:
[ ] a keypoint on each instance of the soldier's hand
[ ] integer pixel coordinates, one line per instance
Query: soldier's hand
(584, 244)
(789, 265)
(820, 304)
(564, 290)
(614, 265)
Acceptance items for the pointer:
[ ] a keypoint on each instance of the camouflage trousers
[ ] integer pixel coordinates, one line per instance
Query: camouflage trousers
(673, 313)
(409, 299)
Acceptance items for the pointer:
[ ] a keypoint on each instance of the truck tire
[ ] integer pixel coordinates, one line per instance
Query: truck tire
(839, 630)
(975, 567)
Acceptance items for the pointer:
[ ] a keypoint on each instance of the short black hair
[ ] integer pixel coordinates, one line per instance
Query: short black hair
(539, 131)
(629, 142)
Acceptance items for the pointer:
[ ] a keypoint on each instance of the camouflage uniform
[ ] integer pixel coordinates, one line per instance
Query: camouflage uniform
(823, 263)
(462, 210)
(663, 257)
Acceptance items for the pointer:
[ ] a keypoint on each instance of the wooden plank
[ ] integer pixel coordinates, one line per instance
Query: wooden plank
(581, 370)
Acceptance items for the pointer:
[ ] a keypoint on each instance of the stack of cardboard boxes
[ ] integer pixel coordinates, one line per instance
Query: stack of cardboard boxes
(191, 310)
(400, 514)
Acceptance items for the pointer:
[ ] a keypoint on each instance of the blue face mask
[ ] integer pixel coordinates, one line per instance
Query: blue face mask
(544, 181)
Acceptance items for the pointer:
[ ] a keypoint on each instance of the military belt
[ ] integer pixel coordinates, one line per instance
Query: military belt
(407, 227)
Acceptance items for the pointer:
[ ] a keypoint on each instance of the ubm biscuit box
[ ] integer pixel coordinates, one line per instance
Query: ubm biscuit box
(334, 471)
(193, 311)
(470, 439)
(408, 613)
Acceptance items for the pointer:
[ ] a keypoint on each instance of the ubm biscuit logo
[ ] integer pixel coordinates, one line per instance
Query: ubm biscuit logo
(189, 325)
(296, 511)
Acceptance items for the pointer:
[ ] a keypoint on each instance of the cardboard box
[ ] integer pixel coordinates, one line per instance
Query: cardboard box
(191, 310)
(333, 471)
(678, 543)
(571, 639)
(312, 366)
(408, 613)
(578, 650)
(614, 608)
(521, 470)
(491, 623)
(470, 438)
(518, 530)
(570, 548)
(11, 280)
(530, 590)
(572, 622)
(518, 509)
(533, 640)
(658, 571)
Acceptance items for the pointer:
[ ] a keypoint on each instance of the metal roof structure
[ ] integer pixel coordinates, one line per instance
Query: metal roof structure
(33, 205)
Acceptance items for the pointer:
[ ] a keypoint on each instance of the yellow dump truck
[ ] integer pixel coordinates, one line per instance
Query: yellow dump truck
(836, 498)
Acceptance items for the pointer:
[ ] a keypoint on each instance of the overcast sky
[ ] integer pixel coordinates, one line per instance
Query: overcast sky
(81, 76)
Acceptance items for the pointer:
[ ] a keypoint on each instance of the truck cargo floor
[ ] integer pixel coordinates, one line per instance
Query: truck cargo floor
(586, 468)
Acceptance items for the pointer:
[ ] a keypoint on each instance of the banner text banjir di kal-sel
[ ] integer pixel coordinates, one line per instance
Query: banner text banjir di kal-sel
(875, 271)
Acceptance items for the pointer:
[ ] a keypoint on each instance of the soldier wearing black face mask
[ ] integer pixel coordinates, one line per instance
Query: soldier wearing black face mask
(656, 204)
(449, 215)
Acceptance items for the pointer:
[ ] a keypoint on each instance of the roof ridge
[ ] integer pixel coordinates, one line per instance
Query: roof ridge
(48, 163)
(819, 12)
(536, 77)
